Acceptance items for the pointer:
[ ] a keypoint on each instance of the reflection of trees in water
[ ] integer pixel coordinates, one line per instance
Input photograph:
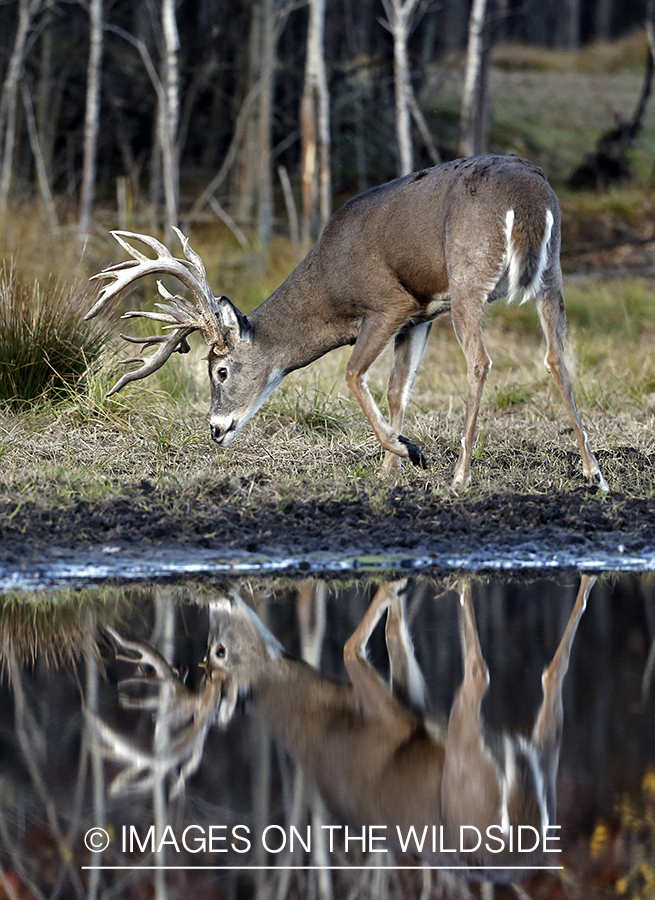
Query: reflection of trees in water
(607, 741)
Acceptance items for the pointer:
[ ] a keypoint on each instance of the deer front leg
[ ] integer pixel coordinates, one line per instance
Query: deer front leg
(373, 695)
(547, 731)
(409, 348)
(407, 682)
(550, 307)
(467, 315)
(374, 334)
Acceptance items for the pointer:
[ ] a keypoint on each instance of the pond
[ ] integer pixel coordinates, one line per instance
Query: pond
(277, 768)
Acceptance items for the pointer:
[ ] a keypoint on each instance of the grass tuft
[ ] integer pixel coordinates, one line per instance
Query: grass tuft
(46, 348)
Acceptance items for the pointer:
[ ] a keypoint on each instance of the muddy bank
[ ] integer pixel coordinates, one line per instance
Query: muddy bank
(400, 522)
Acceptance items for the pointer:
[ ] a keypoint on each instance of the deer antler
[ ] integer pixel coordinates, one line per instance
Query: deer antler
(178, 314)
(185, 715)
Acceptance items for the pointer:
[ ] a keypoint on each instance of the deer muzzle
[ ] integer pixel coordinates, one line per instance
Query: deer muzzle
(223, 432)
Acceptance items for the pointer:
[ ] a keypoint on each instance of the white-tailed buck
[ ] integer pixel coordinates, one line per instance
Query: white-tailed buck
(447, 239)
(375, 755)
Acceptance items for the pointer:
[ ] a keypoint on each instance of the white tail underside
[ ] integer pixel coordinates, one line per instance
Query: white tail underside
(512, 264)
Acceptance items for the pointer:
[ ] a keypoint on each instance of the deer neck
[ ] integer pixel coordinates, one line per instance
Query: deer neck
(300, 321)
(297, 704)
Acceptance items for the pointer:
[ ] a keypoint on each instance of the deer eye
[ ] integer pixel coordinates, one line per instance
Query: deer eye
(220, 651)
(221, 373)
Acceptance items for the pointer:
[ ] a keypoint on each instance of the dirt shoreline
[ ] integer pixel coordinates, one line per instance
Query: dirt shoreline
(403, 521)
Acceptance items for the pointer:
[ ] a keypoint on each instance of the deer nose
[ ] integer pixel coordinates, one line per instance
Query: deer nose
(220, 432)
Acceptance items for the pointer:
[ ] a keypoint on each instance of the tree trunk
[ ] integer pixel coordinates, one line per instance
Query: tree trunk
(402, 87)
(474, 101)
(170, 113)
(265, 174)
(245, 176)
(603, 19)
(568, 31)
(46, 105)
(399, 19)
(41, 172)
(315, 129)
(92, 116)
(27, 10)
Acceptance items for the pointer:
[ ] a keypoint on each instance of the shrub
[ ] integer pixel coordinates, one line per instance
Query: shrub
(45, 345)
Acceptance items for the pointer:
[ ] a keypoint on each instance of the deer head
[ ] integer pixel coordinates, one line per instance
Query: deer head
(226, 331)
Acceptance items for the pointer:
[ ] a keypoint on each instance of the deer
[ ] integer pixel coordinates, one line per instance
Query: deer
(376, 756)
(448, 239)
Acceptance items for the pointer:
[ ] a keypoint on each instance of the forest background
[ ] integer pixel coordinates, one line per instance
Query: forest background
(245, 111)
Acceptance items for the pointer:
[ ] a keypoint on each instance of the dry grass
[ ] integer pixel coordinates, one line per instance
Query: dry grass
(311, 441)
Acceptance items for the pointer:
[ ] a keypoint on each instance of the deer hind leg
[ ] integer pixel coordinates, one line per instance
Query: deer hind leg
(547, 731)
(373, 694)
(467, 315)
(408, 351)
(550, 306)
(472, 784)
(407, 682)
(374, 334)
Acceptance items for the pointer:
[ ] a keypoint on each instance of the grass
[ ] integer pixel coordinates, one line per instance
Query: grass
(56, 627)
(46, 348)
(311, 441)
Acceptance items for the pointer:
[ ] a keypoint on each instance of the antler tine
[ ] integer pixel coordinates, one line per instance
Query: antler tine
(190, 271)
(178, 314)
(184, 346)
(156, 360)
(143, 654)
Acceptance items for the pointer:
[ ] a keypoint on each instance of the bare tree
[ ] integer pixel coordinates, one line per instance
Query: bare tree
(603, 19)
(474, 101)
(27, 12)
(254, 165)
(568, 25)
(39, 162)
(167, 89)
(169, 111)
(250, 150)
(92, 115)
(315, 128)
(265, 179)
(399, 20)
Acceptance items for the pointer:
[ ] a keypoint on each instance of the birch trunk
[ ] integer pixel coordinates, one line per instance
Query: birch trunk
(399, 19)
(474, 100)
(245, 175)
(92, 116)
(254, 166)
(315, 129)
(170, 114)
(27, 10)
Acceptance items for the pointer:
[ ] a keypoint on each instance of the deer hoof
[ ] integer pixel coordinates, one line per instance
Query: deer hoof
(415, 455)
(597, 479)
(391, 463)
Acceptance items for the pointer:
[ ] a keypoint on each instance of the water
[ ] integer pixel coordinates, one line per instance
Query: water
(61, 567)
(74, 759)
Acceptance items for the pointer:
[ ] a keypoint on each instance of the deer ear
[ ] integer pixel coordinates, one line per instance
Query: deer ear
(232, 321)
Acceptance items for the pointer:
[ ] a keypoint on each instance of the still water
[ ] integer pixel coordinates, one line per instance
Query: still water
(278, 770)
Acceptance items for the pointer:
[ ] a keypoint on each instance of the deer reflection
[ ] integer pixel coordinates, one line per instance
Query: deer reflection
(375, 755)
